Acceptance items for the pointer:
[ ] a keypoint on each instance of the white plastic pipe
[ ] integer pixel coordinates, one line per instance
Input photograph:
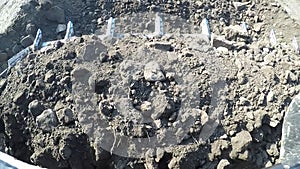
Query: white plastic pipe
(9, 162)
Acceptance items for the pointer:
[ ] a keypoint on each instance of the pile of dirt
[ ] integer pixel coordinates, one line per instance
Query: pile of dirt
(92, 103)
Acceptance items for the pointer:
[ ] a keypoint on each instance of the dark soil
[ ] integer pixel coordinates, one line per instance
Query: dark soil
(95, 103)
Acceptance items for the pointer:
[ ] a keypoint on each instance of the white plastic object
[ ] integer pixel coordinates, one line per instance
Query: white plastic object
(110, 27)
(295, 44)
(37, 39)
(159, 25)
(205, 28)
(273, 39)
(9, 162)
(245, 27)
(19, 56)
(70, 30)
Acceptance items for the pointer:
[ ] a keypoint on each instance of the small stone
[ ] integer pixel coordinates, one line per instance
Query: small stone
(170, 75)
(274, 122)
(30, 29)
(268, 164)
(244, 101)
(224, 136)
(65, 116)
(242, 79)
(99, 21)
(60, 28)
(270, 96)
(239, 143)
(59, 105)
(250, 126)
(70, 55)
(240, 5)
(160, 45)
(49, 77)
(218, 41)
(92, 51)
(45, 4)
(231, 132)
(27, 41)
(223, 164)
(157, 123)
(35, 108)
(146, 106)
(261, 99)
(17, 48)
(159, 154)
(65, 152)
(47, 120)
(65, 80)
(243, 156)
(31, 78)
(272, 150)
(204, 117)
(257, 27)
(223, 50)
(269, 59)
(80, 74)
(250, 115)
(19, 97)
(153, 72)
(3, 83)
(56, 14)
(258, 115)
(159, 104)
(234, 30)
(216, 148)
(292, 76)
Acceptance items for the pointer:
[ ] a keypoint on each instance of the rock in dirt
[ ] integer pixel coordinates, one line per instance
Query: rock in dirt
(218, 41)
(272, 150)
(49, 77)
(45, 4)
(223, 164)
(65, 151)
(47, 120)
(240, 5)
(16, 48)
(153, 72)
(56, 14)
(30, 29)
(3, 83)
(217, 147)
(35, 108)
(27, 41)
(65, 116)
(92, 51)
(9, 16)
(20, 97)
(239, 143)
(270, 96)
(160, 45)
(60, 28)
(257, 27)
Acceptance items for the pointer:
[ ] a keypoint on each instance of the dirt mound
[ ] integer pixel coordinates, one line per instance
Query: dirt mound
(43, 123)
(92, 103)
